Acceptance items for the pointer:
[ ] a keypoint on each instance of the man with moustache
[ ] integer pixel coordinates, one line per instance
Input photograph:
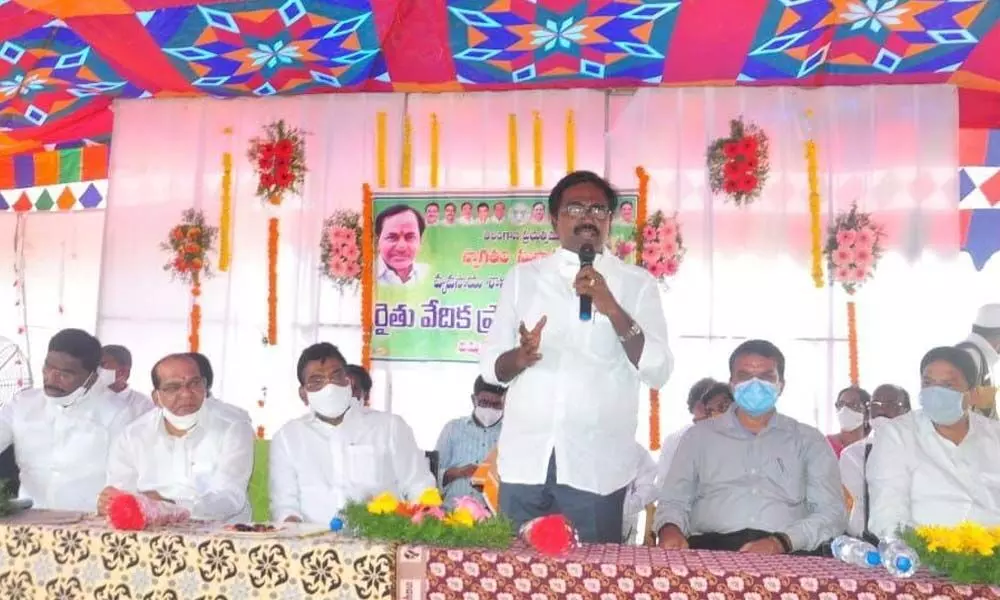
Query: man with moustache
(572, 384)
(187, 452)
(63, 431)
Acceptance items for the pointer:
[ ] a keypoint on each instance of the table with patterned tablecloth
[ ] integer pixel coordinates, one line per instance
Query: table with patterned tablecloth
(194, 561)
(641, 573)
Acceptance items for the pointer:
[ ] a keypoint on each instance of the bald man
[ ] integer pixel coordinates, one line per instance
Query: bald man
(187, 451)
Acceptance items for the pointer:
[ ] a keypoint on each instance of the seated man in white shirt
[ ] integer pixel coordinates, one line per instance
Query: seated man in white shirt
(205, 368)
(888, 402)
(707, 398)
(187, 452)
(640, 493)
(114, 373)
(937, 465)
(62, 433)
(339, 452)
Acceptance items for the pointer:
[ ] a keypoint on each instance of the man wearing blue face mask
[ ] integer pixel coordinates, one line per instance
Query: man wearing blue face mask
(752, 480)
(340, 451)
(937, 465)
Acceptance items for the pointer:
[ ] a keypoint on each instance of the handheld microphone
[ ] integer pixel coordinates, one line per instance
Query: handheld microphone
(587, 254)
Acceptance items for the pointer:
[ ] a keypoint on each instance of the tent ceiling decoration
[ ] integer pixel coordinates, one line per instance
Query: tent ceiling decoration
(62, 62)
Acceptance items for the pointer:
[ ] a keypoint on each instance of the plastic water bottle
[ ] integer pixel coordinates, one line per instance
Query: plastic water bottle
(855, 552)
(337, 524)
(898, 558)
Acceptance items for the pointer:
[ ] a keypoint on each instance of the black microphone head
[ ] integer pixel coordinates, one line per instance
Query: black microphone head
(587, 254)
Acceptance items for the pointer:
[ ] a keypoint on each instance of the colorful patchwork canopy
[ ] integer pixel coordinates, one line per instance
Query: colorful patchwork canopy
(63, 61)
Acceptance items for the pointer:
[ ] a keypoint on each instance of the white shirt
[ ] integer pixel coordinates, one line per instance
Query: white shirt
(917, 477)
(581, 399)
(641, 492)
(138, 403)
(852, 475)
(206, 471)
(316, 468)
(989, 353)
(387, 276)
(230, 410)
(667, 451)
(62, 453)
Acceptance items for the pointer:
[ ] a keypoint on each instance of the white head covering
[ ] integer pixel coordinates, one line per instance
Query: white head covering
(988, 316)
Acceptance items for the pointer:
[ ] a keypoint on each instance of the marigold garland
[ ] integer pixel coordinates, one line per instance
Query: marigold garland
(406, 169)
(536, 144)
(189, 243)
(570, 141)
(226, 213)
(738, 165)
(194, 334)
(512, 164)
(272, 281)
(435, 149)
(381, 148)
(968, 553)
(367, 283)
(853, 249)
(642, 212)
(815, 224)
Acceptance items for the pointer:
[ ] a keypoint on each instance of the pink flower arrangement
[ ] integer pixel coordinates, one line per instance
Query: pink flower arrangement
(340, 249)
(427, 512)
(853, 248)
(474, 507)
(661, 246)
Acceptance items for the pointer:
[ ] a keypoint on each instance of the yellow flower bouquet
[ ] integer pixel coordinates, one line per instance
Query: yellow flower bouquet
(966, 553)
(466, 523)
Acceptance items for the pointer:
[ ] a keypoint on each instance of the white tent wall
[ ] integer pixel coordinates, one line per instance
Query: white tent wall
(746, 274)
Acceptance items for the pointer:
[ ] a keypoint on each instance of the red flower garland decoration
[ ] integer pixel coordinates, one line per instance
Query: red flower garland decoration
(738, 165)
(551, 535)
(125, 514)
(189, 243)
(278, 159)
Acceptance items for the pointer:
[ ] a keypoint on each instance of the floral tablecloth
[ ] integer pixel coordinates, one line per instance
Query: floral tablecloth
(640, 573)
(87, 560)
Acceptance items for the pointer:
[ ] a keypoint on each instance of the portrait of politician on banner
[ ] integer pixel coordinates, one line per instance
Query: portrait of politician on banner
(438, 274)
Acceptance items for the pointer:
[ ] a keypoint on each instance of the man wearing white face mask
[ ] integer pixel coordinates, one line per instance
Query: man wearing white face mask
(464, 443)
(63, 431)
(852, 404)
(340, 451)
(187, 451)
(937, 465)
(888, 402)
(114, 373)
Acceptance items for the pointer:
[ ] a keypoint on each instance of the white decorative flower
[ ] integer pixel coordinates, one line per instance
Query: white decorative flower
(471, 568)
(609, 570)
(539, 570)
(809, 584)
(489, 584)
(522, 585)
(735, 583)
(563, 34)
(455, 583)
(698, 584)
(772, 584)
(592, 585)
(873, 14)
(574, 569)
(626, 585)
(661, 584)
(277, 52)
(558, 585)
(505, 570)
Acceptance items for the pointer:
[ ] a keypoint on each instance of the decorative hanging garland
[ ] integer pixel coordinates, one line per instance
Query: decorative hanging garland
(189, 244)
(815, 211)
(853, 249)
(278, 159)
(226, 209)
(738, 165)
(367, 280)
(340, 249)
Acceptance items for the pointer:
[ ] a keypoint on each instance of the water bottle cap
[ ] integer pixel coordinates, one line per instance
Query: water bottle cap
(873, 559)
(336, 524)
(904, 564)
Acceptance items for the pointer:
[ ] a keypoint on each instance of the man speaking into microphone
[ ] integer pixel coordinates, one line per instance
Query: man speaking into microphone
(572, 340)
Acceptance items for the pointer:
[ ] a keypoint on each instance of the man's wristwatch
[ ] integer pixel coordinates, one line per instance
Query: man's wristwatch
(631, 333)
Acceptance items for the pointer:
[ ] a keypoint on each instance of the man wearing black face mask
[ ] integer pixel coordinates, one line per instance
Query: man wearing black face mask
(573, 395)
(63, 432)
(464, 443)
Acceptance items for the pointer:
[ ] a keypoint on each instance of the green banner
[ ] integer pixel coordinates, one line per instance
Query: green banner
(438, 277)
